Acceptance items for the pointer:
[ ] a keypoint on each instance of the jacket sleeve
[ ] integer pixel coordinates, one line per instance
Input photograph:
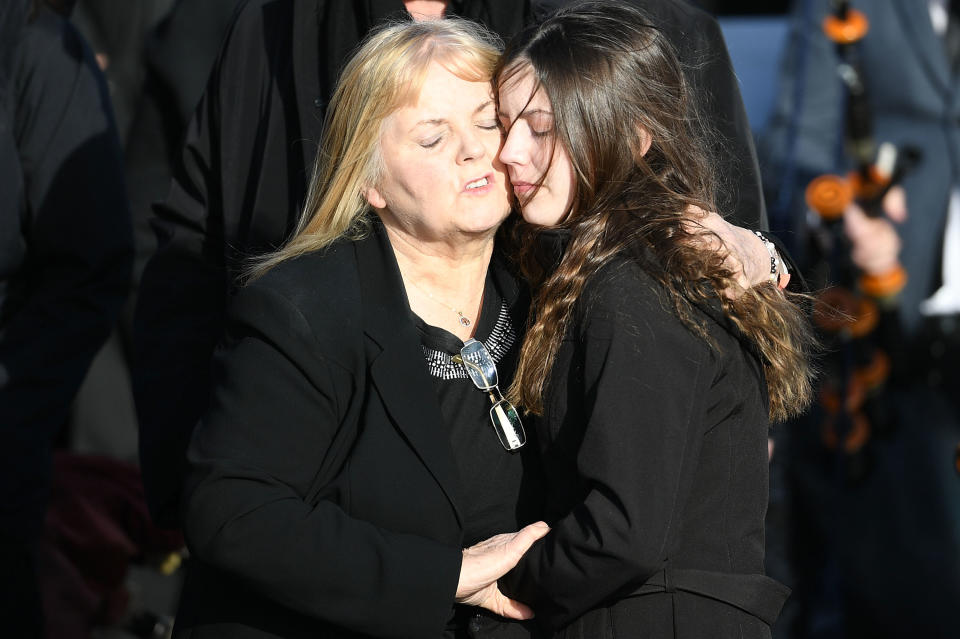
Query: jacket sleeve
(643, 376)
(63, 301)
(251, 509)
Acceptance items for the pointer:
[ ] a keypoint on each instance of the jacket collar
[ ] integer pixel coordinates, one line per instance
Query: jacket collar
(397, 366)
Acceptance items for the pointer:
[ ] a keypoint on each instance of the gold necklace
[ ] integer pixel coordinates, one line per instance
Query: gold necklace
(464, 320)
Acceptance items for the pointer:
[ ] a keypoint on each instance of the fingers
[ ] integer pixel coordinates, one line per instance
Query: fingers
(895, 204)
(875, 242)
(510, 608)
(487, 561)
(526, 537)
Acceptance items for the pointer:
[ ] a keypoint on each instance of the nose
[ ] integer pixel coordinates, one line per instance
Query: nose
(513, 149)
(471, 147)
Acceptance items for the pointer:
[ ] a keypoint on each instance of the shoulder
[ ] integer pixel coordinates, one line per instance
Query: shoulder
(623, 284)
(317, 293)
(622, 295)
(624, 301)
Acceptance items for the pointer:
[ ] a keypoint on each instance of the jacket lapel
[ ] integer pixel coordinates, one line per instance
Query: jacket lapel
(399, 370)
(926, 44)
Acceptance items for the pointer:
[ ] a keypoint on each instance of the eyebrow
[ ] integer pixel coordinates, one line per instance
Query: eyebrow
(528, 112)
(435, 121)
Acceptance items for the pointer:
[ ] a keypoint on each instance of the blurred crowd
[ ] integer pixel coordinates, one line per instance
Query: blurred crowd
(99, 255)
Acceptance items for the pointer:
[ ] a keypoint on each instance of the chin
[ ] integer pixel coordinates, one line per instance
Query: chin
(537, 215)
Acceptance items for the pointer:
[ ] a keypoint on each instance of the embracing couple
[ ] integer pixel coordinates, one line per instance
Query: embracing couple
(509, 366)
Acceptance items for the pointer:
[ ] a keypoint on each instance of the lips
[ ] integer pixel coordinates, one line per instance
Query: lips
(523, 188)
(478, 184)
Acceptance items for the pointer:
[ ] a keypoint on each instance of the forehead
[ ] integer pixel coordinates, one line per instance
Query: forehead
(442, 88)
(519, 93)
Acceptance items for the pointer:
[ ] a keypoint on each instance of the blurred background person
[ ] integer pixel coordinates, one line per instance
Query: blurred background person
(869, 537)
(156, 55)
(65, 256)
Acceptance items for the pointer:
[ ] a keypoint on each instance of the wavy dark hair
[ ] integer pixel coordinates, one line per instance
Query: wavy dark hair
(615, 85)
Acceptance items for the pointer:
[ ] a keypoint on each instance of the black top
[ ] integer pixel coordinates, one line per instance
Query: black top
(654, 448)
(491, 475)
(501, 489)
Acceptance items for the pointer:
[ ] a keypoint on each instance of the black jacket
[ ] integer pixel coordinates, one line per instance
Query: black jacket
(65, 244)
(324, 500)
(654, 448)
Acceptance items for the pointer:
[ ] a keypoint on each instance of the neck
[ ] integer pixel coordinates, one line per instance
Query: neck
(426, 9)
(443, 279)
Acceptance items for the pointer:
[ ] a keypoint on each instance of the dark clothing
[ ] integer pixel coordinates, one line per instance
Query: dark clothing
(178, 56)
(65, 252)
(654, 448)
(65, 249)
(117, 31)
(490, 505)
(324, 498)
(238, 192)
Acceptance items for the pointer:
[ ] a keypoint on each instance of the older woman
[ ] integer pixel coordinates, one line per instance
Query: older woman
(655, 384)
(346, 459)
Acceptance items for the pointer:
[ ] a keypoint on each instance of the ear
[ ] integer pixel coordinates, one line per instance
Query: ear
(374, 198)
(645, 139)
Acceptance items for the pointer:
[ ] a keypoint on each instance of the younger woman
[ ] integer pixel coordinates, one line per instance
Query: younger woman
(655, 383)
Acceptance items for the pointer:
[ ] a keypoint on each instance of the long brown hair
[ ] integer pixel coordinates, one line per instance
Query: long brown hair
(614, 85)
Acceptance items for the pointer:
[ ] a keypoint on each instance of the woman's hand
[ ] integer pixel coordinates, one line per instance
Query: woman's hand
(744, 253)
(487, 561)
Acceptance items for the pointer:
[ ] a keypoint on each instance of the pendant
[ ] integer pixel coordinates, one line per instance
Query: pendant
(463, 320)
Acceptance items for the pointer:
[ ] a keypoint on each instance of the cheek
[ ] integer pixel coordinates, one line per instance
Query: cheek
(416, 180)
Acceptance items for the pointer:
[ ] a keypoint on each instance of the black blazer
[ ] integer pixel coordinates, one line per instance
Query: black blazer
(323, 499)
(654, 447)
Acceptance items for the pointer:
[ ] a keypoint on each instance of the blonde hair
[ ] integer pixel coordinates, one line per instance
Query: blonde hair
(385, 74)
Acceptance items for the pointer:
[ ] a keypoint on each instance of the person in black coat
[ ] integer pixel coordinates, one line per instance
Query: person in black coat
(65, 255)
(654, 381)
(347, 458)
(244, 176)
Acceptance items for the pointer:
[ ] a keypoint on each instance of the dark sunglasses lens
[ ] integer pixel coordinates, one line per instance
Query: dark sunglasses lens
(483, 372)
(507, 424)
